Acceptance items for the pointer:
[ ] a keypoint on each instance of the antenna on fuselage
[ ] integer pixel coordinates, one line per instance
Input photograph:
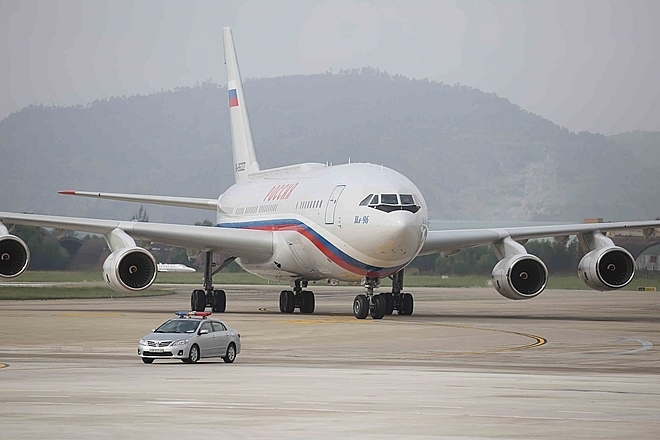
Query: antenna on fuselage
(245, 158)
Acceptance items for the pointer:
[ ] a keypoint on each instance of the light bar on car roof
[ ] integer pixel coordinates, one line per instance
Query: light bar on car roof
(185, 314)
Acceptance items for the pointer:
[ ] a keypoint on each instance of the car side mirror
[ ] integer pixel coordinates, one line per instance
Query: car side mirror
(153, 330)
(204, 332)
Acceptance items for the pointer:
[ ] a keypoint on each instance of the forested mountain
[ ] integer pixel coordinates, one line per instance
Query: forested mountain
(473, 155)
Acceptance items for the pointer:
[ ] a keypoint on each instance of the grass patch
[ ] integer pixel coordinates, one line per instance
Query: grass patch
(45, 293)
(570, 282)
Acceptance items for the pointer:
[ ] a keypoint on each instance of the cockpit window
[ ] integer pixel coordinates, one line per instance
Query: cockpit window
(366, 200)
(389, 199)
(407, 199)
(391, 202)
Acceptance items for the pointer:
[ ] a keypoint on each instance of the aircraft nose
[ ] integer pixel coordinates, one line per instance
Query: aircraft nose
(402, 235)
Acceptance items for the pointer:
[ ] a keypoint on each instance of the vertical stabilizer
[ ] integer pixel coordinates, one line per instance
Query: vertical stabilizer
(245, 159)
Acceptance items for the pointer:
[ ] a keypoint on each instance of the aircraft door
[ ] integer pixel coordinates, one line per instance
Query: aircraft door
(331, 206)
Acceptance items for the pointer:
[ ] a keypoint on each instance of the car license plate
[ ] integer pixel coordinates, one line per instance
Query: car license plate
(157, 350)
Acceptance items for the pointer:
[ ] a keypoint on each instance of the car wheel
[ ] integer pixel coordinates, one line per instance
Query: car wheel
(193, 357)
(231, 354)
(147, 360)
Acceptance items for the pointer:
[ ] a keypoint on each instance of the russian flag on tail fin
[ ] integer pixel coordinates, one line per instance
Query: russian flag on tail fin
(233, 98)
(245, 159)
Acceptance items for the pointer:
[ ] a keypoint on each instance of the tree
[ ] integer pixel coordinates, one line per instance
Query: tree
(141, 216)
(45, 250)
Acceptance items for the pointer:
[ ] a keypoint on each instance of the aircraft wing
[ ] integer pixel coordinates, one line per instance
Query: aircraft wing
(236, 242)
(182, 202)
(452, 240)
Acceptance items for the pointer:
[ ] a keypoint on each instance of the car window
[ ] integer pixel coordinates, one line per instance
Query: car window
(206, 326)
(178, 326)
(218, 326)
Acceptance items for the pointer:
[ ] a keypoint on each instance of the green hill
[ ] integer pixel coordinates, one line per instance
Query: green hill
(473, 155)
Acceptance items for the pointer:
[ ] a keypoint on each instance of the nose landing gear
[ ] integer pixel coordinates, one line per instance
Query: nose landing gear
(385, 303)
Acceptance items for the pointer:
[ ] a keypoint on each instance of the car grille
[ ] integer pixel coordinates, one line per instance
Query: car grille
(164, 354)
(158, 343)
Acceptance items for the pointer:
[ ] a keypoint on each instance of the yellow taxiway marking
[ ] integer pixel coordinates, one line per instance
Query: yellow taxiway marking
(538, 340)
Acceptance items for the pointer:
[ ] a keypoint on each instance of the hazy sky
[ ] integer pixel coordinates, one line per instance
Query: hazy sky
(585, 65)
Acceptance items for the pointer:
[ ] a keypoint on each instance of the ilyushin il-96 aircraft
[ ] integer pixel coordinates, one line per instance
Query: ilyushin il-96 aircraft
(297, 224)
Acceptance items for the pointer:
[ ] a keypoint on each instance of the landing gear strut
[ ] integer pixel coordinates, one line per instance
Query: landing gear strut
(401, 302)
(216, 299)
(297, 299)
(384, 303)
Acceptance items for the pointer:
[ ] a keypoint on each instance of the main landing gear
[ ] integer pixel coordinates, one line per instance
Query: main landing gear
(209, 297)
(297, 299)
(384, 303)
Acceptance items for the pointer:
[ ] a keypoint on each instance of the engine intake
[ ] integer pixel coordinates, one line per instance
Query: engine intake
(130, 270)
(14, 256)
(607, 268)
(521, 276)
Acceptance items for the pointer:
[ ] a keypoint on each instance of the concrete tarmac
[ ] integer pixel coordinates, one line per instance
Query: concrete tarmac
(467, 364)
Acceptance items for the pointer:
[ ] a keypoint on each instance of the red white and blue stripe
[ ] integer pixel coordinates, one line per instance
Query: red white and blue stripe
(331, 251)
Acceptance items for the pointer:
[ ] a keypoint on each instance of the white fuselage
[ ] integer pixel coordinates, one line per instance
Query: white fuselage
(319, 228)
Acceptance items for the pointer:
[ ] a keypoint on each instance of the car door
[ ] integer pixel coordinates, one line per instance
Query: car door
(206, 342)
(222, 337)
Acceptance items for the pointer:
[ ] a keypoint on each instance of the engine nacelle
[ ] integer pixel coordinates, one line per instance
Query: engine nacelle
(521, 276)
(607, 268)
(14, 256)
(130, 270)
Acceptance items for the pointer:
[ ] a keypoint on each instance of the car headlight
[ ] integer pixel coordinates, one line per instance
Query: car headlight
(181, 342)
(143, 342)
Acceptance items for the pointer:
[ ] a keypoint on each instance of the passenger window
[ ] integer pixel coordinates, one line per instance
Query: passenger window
(407, 199)
(218, 326)
(389, 199)
(206, 326)
(366, 200)
(374, 201)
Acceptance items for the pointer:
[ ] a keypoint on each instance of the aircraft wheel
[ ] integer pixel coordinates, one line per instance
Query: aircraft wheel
(407, 304)
(307, 305)
(282, 305)
(219, 301)
(289, 302)
(361, 306)
(198, 300)
(389, 303)
(379, 307)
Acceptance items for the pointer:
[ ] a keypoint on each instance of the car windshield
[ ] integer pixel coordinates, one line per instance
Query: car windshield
(178, 326)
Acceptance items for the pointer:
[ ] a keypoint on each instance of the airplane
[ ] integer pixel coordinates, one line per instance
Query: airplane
(170, 267)
(354, 222)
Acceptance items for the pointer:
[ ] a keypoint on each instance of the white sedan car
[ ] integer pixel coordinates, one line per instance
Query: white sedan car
(190, 337)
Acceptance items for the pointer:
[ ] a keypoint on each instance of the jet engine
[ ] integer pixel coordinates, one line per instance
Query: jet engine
(520, 276)
(607, 268)
(14, 256)
(130, 269)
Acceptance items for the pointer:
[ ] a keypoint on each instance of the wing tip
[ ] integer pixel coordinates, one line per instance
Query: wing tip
(68, 192)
